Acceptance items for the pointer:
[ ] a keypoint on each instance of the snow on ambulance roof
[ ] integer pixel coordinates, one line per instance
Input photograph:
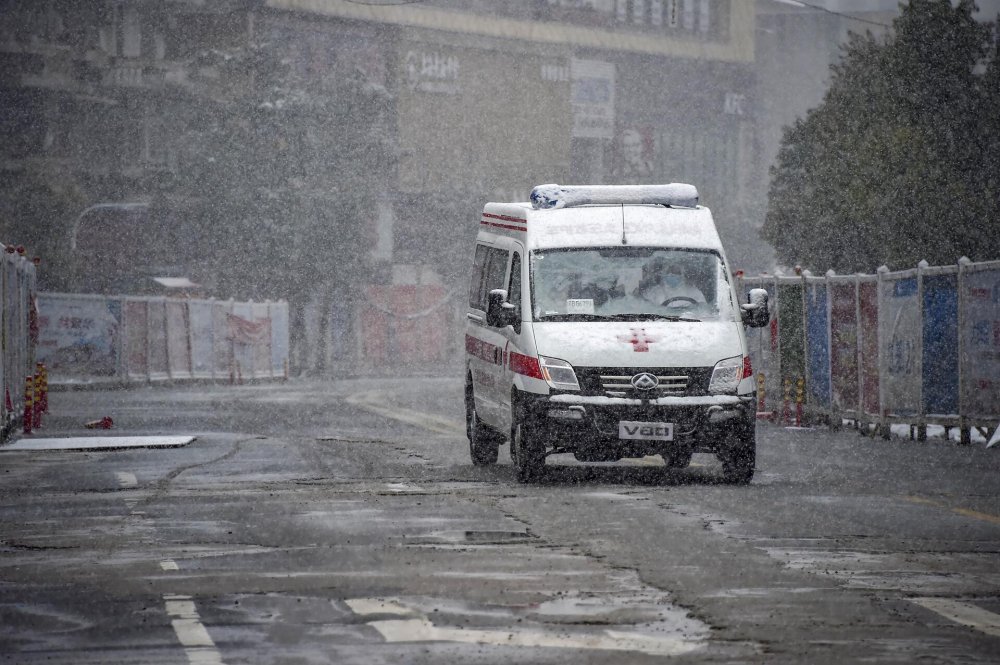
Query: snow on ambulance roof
(602, 226)
(546, 197)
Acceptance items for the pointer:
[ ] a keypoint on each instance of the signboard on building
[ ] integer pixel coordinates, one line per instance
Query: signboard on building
(593, 99)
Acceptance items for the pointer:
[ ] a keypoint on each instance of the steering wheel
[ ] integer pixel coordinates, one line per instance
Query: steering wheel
(673, 299)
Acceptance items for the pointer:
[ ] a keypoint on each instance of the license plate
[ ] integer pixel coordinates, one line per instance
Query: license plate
(631, 430)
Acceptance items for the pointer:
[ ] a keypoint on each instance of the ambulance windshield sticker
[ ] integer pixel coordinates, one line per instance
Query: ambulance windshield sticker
(580, 306)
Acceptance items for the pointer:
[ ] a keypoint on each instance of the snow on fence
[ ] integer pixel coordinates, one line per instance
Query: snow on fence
(127, 339)
(19, 334)
(919, 346)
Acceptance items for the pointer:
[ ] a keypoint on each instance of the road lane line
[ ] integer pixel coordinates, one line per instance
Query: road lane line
(126, 479)
(977, 515)
(191, 633)
(963, 613)
(370, 401)
(167, 564)
(965, 512)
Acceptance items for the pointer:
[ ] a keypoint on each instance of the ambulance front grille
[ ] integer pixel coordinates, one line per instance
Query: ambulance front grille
(617, 381)
(669, 385)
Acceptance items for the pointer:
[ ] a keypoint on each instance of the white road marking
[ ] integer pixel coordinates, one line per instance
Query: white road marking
(126, 479)
(402, 487)
(422, 630)
(963, 613)
(368, 606)
(98, 443)
(169, 565)
(191, 633)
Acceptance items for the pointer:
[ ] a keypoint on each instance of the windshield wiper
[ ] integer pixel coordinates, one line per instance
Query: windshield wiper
(664, 317)
(629, 317)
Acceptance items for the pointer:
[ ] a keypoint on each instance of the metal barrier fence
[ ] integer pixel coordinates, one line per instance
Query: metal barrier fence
(919, 346)
(127, 339)
(19, 333)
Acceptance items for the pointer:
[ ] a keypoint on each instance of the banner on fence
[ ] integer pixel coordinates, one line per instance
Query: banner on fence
(149, 339)
(868, 324)
(844, 345)
(790, 328)
(79, 337)
(982, 343)
(136, 327)
(900, 331)
(940, 344)
(818, 344)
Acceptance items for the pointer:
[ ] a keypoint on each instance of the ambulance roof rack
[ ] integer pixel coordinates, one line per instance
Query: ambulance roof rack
(546, 197)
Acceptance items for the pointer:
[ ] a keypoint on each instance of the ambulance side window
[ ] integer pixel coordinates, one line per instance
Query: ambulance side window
(514, 289)
(478, 269)
(496, 270)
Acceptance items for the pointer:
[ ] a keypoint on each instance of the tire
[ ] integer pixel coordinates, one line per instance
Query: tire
(527, 451)
(484, 445)
(739, 460)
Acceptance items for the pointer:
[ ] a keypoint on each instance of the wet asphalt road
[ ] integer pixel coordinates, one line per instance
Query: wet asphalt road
(342, 522)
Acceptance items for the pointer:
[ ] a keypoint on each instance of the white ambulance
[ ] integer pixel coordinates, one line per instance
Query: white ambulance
(603, 322)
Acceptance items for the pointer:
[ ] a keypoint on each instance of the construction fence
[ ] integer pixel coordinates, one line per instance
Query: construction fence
(917, 346)
(87, 339)
(19, 333)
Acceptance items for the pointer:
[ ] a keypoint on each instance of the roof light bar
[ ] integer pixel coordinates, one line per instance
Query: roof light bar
(545, 197)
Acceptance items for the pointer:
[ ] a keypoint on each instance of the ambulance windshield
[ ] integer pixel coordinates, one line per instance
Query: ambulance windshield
(629, 284)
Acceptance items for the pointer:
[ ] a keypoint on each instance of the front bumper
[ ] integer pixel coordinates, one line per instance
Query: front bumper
(570, 422)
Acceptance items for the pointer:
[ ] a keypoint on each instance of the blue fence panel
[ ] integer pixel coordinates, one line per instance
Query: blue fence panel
(818, 330)
(940, 361)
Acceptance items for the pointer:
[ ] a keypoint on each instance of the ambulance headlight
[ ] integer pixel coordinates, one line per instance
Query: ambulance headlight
(726, 375)
(558, 374)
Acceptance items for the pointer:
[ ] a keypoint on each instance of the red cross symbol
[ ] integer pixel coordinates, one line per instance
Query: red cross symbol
(639, 339)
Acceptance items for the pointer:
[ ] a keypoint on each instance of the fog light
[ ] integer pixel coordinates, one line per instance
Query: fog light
(565, 414)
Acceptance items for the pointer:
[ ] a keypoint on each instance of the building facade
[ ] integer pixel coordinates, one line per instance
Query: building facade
(487, 100)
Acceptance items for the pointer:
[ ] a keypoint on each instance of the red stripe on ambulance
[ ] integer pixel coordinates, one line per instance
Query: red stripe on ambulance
(505, 218)
(503, 226)
(483, 350)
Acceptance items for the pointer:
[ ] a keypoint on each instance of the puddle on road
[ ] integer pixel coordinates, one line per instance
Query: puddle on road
(473, 538)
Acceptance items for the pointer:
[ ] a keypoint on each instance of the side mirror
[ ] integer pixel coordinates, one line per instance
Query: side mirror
(499, 312)
(755, 312)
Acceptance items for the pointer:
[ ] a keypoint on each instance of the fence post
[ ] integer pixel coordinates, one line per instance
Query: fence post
(882, 373)
(965, 437)
(858, 341)
(190, 336)
(836, 422)
(921, 407)
(804, 402)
